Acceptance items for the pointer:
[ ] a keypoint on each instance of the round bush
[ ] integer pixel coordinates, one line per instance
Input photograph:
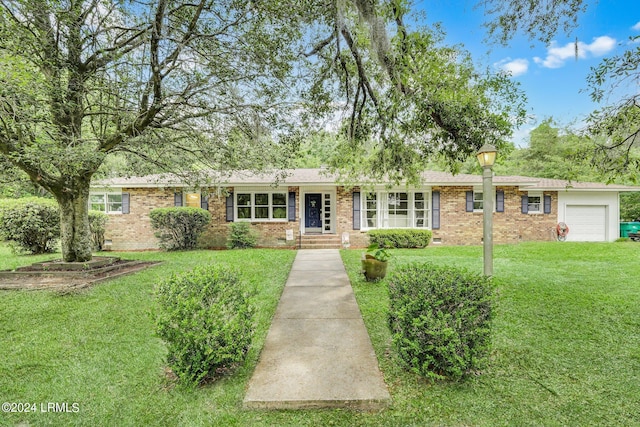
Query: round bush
(440, 319)
(241, 236)
(178, 228)
(98, 224)
(31, 225)
(205, 318)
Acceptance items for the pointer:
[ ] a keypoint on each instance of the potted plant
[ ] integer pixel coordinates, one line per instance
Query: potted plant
(374, 262)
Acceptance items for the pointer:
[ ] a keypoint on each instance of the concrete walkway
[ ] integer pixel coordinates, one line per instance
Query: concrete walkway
(317, 353)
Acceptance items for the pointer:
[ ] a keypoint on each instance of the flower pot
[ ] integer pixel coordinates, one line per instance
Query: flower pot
(373, 269)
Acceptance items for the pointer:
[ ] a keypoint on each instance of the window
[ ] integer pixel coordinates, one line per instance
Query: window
(420, 210)
(192, 200)
(396, 210)
(478, 201)
(371, 209)
(106, 202)
(261, 206)
(244, 206)
(96, 202)
(534, 204)
(279, 202)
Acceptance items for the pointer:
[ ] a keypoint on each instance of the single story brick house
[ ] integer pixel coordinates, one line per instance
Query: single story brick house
(309, 208)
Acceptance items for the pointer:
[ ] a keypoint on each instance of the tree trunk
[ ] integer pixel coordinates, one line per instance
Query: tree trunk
(75, 235)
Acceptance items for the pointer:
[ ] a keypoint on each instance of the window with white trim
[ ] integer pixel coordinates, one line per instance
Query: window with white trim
(534, 203)
(371, 210)
(106, 202)
(478, 201)
(420, 210)
(396, 210)
(261, 206)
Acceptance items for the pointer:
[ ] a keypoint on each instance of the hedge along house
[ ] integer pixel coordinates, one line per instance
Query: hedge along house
(309, 208)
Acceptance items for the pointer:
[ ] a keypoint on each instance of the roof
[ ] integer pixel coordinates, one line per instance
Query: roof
(294, 177)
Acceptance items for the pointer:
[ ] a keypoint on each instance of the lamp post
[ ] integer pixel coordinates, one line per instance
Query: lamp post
(487, 157)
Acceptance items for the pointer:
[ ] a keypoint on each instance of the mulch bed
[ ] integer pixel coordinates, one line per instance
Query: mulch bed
(68, 276)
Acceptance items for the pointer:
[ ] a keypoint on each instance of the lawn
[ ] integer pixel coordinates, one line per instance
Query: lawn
(566, 339)
(566, 345)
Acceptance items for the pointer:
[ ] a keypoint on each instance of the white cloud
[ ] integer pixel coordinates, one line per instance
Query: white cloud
(636, 27)
(515, 67)
(558, 55)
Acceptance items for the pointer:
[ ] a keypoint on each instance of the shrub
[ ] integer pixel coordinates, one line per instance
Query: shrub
(440, 319)
(32, 225)
(97, 224)
(400, 238)
(206, 320)
(178, 228)
(241, 236)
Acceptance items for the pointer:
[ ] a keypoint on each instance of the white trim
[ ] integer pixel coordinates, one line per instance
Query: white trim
(322, 190)
(539, 194)
(382, 209)
(105, 203)
(252, 192)
(474, 200)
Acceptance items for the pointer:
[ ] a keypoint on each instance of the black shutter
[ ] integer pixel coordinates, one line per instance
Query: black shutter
(177, 199)
(292, 206)
(229, 204)
(499, 201)
(356, 210)
(469, 201)
(435, 210)
(125, 203)
(547, 204)
(204, 201)
(525, 204)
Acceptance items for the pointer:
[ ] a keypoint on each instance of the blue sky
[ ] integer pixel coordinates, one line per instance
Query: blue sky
(551, 77)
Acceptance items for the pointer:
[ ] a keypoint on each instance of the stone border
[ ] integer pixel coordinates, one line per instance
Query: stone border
(40, 276)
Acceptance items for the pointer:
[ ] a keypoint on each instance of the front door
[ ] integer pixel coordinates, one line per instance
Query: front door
(313, 213)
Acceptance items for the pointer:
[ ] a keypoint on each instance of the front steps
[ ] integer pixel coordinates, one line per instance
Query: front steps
(320, 241)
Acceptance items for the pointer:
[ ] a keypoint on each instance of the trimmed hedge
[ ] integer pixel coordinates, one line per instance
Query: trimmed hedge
(178, 228)
(440, 319)
(400, 238)
(206, 320)
(31, 225)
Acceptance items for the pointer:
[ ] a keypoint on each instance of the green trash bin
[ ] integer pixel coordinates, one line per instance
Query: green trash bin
(629, 227)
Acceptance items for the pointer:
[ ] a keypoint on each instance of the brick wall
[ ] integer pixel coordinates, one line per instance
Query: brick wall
(457, 227)
(344, 220)
(270, 233)
(133, 231)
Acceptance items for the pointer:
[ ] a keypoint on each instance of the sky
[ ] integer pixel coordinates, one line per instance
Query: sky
(553, 80)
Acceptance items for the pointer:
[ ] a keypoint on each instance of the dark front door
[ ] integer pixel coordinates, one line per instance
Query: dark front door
(312, 217)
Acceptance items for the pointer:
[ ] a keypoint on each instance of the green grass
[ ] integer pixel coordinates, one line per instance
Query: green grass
(566, 345)
(566, 339)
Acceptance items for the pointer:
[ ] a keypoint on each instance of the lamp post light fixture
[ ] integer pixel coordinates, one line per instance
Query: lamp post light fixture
(487, 157)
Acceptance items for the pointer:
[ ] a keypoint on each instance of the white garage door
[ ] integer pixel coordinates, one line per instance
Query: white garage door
(586, 223)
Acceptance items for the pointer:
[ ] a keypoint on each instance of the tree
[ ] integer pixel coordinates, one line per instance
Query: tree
(411, 97)
(616, 126)
(619, 121)
(187, 85)
(552, 153)
(81, 80)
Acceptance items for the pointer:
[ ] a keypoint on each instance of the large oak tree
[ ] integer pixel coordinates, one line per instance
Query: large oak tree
(81, 80)
(220, 80)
